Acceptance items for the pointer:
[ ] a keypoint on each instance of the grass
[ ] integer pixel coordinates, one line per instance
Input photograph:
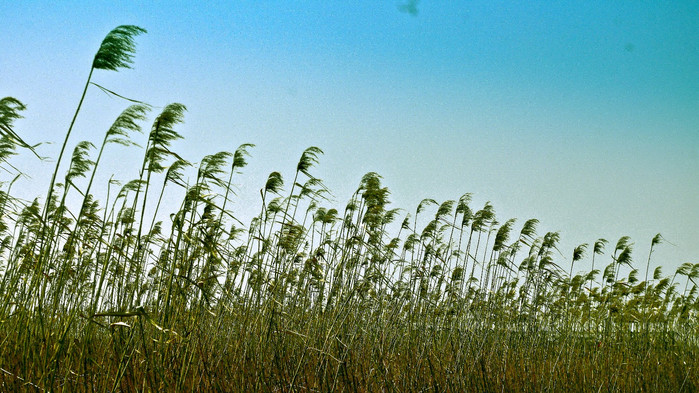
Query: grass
(102, 297)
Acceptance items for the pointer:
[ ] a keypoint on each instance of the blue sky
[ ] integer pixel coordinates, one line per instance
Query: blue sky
(584, 115)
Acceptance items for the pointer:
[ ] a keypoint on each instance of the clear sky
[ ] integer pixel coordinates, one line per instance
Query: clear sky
(584, 115)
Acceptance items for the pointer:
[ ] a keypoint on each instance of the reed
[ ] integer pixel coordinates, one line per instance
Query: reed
(308, 297)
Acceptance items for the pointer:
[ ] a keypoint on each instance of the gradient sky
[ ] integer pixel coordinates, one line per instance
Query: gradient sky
(584, 115)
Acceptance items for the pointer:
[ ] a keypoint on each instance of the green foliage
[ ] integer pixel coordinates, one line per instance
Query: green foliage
(126, 123)
(10, 109)
(308, 159)
(162, 135)
(274, 183)
(80, 163)
(117, 48)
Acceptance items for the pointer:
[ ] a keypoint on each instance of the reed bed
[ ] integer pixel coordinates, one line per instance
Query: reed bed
(103, 297)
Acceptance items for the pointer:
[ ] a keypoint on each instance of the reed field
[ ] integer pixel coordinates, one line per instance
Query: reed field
(102, 296)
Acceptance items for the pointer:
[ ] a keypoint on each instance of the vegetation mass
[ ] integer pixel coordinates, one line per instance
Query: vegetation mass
(102, 297)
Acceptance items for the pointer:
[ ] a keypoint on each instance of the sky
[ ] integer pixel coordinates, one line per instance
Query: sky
(584, 115)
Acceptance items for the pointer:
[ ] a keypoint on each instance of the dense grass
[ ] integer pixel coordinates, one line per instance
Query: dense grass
(99, 296)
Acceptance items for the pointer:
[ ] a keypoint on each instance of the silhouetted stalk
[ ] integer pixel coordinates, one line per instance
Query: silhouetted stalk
(49, 194)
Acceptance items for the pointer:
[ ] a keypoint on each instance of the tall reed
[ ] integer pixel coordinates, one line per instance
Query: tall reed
(132, 294)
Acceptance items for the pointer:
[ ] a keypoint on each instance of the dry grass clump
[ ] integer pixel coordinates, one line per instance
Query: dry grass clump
(102, 297)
